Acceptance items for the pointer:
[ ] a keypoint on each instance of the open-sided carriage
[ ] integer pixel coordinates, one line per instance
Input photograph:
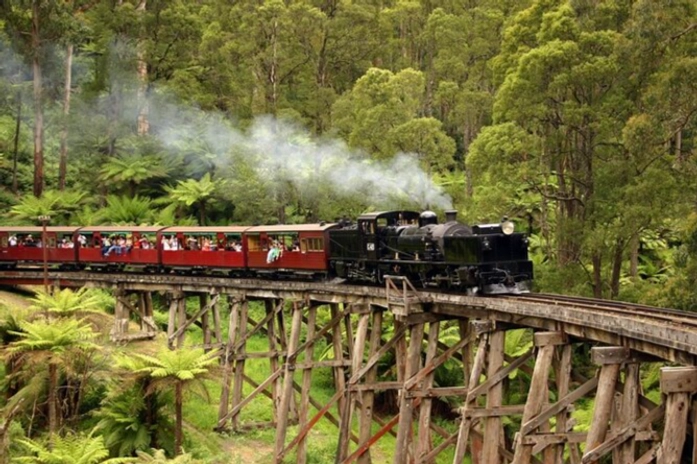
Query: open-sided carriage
(24, 245)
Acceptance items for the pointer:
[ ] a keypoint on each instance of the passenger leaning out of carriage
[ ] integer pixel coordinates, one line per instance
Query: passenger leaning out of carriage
(206, 246)
(275, 252)
(144, 243)
(106, 246)
(29, 241)
(192, 243)
(12, 241)
(174, 243)
(118, 246)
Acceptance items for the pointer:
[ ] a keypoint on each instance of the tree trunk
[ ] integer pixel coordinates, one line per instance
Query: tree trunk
(52, 411)
(679, 155)
(597, 274)
(202, 213)
(63, 164)
(178, 426)
(616, 270)
(178, 431)
(143, 122)
(38, 103)
(15, 149)
(272, 96)
(634, 256)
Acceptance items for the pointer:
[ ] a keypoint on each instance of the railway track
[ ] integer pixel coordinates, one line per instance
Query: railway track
(620, 308)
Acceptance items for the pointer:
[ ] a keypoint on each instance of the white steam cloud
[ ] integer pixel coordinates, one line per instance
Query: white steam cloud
(284, 152)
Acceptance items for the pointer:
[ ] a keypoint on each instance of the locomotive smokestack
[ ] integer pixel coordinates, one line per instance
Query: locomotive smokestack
(451, 215)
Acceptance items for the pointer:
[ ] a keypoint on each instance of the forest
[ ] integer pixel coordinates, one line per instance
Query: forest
(577, 119)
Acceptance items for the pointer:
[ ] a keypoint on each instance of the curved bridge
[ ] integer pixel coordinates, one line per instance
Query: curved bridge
(418, 332)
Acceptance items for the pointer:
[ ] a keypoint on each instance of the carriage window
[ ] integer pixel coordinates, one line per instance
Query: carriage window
(144, 242)
(233, 242)
(368, 227)
(3, 242)
(287, 242)
(312, 244)
(382, 222)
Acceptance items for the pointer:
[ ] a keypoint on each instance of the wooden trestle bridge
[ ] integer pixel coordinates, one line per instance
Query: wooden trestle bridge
(367, 326)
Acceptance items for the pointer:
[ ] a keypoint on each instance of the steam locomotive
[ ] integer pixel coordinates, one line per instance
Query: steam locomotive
(485, 258)
(489, 258)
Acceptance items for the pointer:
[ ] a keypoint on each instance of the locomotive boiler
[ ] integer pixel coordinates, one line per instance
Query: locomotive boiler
(484, 258)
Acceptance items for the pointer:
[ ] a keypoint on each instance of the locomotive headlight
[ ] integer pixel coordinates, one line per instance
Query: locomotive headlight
(507, 227)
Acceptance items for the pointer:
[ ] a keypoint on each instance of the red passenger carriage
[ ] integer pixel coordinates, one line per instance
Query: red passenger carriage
(25, 244)
(114, 247)
(197, 248)
(301, 249)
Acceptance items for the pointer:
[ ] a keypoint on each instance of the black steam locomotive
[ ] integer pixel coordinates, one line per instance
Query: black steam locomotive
(486, 258)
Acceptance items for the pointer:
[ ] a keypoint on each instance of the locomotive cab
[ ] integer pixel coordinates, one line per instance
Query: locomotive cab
(380, 231)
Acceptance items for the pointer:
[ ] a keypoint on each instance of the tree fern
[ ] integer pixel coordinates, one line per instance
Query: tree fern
(71, 449)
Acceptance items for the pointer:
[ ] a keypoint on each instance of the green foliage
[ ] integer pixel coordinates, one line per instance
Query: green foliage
(125, 210)
(51, 338)
(67, 303)
(131, 169)
(70, 449)
(192, 192)
(122, 423)
(58, 205)
(179, 365)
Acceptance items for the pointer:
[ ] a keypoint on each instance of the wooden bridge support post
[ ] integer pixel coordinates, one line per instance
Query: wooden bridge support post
(282, 338)
(482, 330)
(181, 320)
(304, 409)
(228, 362)
(274, 343)
(368, 398)
(125, 308)
(288, 395)
(425, 444)
(205, 321)
(538, 395)
(562, 375)
(177, 319)
(351, 397)
(145, 311)
(412, 363)
(120, 327)
(493, 430)
(678, 384)
(628, 412)
(339, 370)
(239, 355)
(610, 360)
